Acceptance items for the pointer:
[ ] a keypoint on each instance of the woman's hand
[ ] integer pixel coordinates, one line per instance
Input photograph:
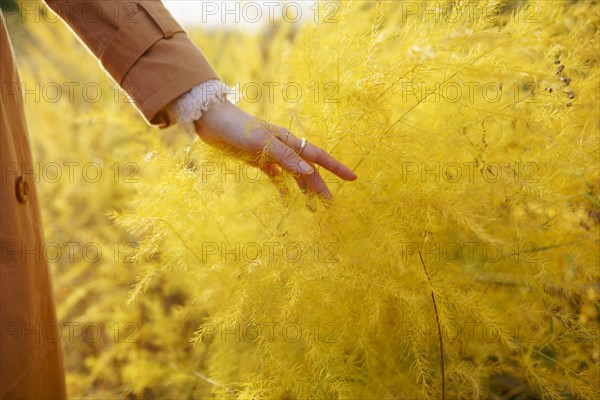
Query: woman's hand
(268, 147)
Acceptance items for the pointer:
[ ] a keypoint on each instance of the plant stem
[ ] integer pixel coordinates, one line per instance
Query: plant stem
(437, 320)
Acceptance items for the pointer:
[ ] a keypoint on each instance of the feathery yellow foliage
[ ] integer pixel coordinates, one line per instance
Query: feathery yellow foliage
(471, 150)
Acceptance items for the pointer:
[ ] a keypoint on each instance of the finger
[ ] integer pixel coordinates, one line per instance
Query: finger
(270, 169)
(314, 184)
(273, 172)
(288, 158)
(319, 156)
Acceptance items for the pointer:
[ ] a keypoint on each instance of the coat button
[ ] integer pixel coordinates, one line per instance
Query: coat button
(22, 189)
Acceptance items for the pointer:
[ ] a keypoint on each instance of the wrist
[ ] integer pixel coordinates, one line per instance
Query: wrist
(191, 106)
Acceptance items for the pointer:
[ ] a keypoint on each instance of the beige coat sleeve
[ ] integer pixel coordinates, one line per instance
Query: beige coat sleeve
(142, 47)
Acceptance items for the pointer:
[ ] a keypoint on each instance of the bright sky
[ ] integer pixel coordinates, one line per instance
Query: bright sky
(246, 14)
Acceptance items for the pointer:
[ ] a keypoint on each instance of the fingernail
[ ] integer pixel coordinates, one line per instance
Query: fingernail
(305, 168)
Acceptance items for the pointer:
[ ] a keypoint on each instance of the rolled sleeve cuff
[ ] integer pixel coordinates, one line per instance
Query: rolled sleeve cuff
(167, 70)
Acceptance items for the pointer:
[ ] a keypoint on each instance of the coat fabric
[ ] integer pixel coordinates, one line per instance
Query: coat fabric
(146, 51)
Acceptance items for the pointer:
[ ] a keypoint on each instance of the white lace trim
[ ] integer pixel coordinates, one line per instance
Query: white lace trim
(189, 107)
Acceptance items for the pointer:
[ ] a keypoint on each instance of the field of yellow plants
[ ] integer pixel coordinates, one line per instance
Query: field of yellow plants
(462, 264)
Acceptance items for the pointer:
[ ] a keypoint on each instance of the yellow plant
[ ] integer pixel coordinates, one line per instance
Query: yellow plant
(473, 128)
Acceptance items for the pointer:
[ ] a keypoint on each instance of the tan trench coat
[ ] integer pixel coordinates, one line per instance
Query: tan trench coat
(146, 52)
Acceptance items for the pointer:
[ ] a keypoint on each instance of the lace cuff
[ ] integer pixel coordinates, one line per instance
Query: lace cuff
(189, 107)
